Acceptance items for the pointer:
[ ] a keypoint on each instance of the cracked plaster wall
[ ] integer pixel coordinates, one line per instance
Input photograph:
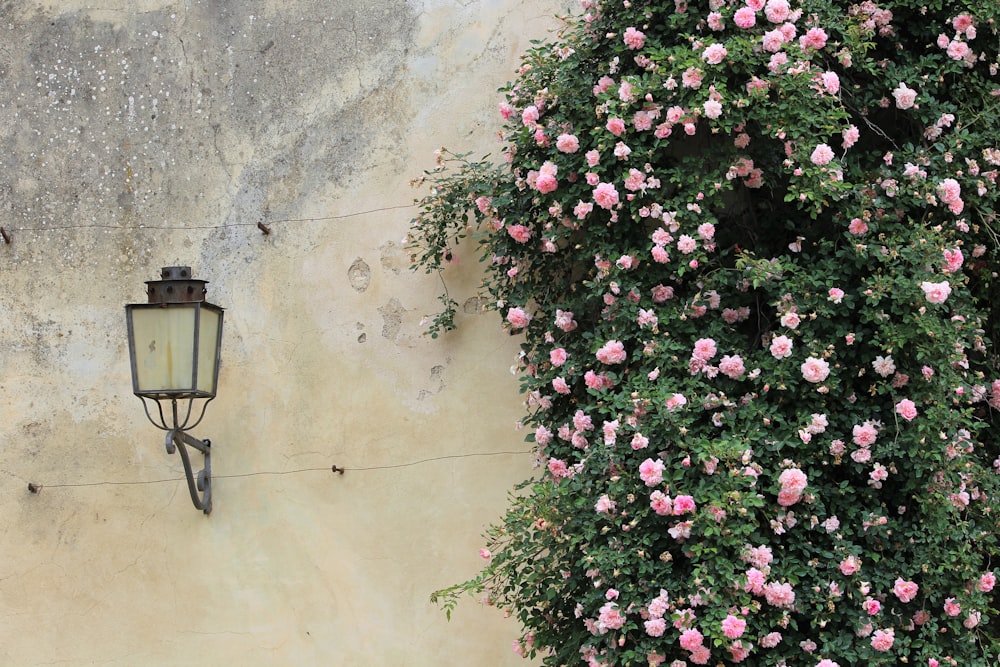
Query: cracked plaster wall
(146, 133)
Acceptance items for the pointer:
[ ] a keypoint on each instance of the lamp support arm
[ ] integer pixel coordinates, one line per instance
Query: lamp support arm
(178, 439)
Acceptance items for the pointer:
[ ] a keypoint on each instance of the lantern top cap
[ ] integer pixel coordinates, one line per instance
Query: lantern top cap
(176, 286)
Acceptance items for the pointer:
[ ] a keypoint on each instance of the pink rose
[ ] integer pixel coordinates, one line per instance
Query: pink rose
(732, 366)
(651, 471)
(850, 566)
(906, 409)
(814, 39)
(568, 143)
(519, 233)
(518, 318)
(815, 370)
(936, 292)
(835, 294)
(605, 195)
(691, 639)
(905, 97)
(612, 352)
(882, 640)
(822, 155)
(714, 54)
(558, 356)
(733, 626)
(633, 38)
(683, 505)
(986, 582)
(781, 347)
(615, 126)
(655, 627)
(905, 590)
(560, 386)
(745, 17)
(779, 595)
(661, 503)
(704, 349)
(952, 608)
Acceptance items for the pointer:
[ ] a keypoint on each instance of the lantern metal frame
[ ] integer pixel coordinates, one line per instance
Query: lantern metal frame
(178, 290)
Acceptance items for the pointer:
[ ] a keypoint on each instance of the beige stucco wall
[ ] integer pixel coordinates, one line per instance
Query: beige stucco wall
(145, 133)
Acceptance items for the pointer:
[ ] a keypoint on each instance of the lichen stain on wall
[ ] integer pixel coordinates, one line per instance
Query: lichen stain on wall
(147, 133)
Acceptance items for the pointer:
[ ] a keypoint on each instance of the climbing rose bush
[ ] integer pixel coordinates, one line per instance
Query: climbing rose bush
(751, 249)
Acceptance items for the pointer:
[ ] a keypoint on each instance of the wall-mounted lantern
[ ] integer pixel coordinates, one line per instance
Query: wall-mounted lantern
(174, 343)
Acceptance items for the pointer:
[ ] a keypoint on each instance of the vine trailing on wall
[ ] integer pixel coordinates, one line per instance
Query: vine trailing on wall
(752, 248)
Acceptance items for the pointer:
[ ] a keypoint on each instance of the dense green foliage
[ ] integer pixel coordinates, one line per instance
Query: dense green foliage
(752, 250)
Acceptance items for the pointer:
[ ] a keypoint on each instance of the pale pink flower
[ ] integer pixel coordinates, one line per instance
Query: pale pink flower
(793, 479)
(691, 639)
(884, 366)
(755, 581)
(564, 320)
(781, 347)
(605, 195)
(850, 566)
(773, 40)
(905, 590)
(873, 607)
(733, 626)
(827, 663)
(951, 607)
(529, 116)
(814, 39)
(518, 318)
(560, 386)
(604, 505)
(661, 503)
(582, 209)
(815, 370)
(612, 352)
(936, 292)
(882, 640)
(822, 155)
(519, 233)
(958, 50)
(683, 505)
(850, 136)
(857, 226)
(905, 97)
(675, 401)
(732, 366)
(704, 349)
(633, 38)
(950, 192)
(706, 231)
(864, 434)
(714, 54)
(779, 595)
(790, 319)
(835, 294)
(610, 617)
(615, 126)
(831, 82)
(777, 11)
(745, 17)
(593, 157)
(770, 640)
(713, 109)
(986, 582)
(655, 627)
(953, 260)
(686, 244)
(906, 409)
(651, 471)
(558, 356)
(568, 143)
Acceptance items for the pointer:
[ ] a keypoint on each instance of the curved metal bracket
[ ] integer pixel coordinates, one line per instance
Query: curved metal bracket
(178, 439)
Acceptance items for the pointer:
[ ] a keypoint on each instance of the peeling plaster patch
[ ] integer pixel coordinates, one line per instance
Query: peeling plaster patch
(359, 275)
(390, 256)
(392, 318)
(474, 306)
